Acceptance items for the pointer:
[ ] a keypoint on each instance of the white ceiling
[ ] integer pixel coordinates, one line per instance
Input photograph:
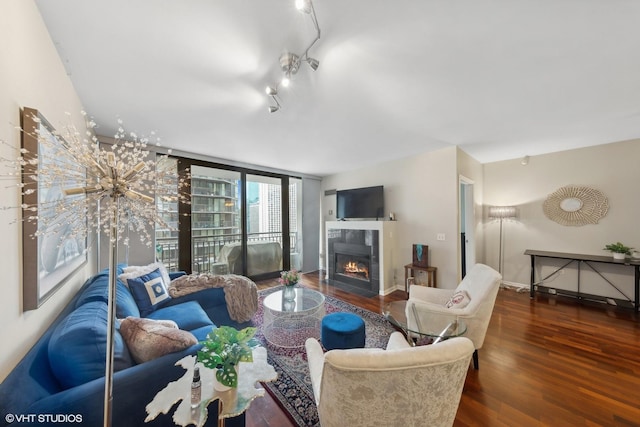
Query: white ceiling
(499, 78)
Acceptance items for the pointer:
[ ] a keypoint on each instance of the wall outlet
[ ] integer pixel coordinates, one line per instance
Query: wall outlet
(440, 236)
(330, 212)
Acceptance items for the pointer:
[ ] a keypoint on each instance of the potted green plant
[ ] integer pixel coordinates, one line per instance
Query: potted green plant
(224, 348)
(618, 250)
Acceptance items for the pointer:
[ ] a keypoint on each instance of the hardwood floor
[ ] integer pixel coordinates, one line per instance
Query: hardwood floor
(551, 361)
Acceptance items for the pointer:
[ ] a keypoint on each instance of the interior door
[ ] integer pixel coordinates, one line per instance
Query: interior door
(467, 226)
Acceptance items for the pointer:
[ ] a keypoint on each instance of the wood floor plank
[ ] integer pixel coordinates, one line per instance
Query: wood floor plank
(550, 361)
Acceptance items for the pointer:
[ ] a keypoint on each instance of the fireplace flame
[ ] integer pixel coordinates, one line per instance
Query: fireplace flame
(352, 267)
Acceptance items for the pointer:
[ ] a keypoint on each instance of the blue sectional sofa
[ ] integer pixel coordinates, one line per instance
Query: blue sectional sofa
(62, 376)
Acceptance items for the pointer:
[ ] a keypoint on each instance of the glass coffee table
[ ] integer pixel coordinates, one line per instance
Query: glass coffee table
(289, 320)
(422, 326)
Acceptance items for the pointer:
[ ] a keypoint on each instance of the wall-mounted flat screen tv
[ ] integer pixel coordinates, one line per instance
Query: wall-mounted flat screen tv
(361, 203)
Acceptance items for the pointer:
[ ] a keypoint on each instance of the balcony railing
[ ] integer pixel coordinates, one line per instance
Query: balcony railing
(206, 250)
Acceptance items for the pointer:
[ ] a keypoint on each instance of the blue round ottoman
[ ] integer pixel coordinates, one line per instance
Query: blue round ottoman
(342, 330)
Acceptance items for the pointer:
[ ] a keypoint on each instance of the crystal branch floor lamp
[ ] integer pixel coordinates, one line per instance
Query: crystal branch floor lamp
(501, 213)
(118, 184)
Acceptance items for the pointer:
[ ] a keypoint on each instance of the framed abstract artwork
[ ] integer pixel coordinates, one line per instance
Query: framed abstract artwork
(52, 247)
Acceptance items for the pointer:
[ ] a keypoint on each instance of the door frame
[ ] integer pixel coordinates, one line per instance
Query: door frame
(466, 225)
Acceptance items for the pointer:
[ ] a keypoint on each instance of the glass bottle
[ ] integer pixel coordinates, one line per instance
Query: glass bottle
(196, 392)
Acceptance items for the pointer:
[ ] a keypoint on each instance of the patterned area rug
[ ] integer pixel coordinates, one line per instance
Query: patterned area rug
(293, 389)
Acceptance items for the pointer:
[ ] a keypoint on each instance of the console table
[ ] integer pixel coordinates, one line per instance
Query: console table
(431, 275)
(587, 260)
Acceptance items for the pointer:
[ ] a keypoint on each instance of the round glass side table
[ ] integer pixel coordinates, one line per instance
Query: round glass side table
(422, 326)
(289, 321)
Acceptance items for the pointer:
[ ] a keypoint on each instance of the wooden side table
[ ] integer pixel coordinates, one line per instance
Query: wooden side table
(431, 275)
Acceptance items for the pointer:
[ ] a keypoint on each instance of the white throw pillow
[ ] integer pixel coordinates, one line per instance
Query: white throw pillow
(459, 299)
(133, 271)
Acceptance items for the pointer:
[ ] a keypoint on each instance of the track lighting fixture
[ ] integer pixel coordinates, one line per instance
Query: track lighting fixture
(273, 93)
(290, 62)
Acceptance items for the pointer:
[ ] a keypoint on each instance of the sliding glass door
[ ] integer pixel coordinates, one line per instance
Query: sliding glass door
(216, 226)
(295, 223)
(264, 225)
(238, 221)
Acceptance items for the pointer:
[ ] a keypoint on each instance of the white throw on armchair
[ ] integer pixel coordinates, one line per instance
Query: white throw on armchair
(478, 289)
(402, 385)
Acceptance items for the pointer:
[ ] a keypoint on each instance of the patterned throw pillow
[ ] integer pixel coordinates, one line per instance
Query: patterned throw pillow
(149, 339)
(149, 290)
(139, 270)
(459, 299)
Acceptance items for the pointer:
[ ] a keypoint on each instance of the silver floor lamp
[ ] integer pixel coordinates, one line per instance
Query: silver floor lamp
(501, 213)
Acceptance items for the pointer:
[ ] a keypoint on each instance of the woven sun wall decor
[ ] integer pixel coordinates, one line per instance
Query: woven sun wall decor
(576, 205)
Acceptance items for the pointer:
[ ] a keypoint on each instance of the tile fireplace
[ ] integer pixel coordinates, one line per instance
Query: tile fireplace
(356, 260)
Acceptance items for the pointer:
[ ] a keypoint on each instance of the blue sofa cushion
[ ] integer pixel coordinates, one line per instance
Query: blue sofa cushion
(78, 346)
(149, 290)
(97, 289)
(189, 315)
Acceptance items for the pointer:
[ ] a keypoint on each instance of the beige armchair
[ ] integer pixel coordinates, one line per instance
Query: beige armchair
(402, 385)
(481, 286)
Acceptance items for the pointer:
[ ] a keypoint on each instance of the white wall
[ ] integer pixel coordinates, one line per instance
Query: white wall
(422, 191)
(611, 168)
(31, 75)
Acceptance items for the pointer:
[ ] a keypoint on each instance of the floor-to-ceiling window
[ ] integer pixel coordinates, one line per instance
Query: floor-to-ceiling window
(238, 221)
(295, 222)
(215, 217)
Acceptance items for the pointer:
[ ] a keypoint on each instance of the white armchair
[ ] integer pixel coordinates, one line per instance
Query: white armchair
(402, 385)
(481, 285)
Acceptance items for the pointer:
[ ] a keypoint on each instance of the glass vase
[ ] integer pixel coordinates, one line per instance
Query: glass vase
(289, 292)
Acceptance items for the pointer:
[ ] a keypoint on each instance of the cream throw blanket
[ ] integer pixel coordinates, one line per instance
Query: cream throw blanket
(240, 292)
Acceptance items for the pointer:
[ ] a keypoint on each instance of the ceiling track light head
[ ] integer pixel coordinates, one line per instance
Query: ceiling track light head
(274, 108)
(303, 6)
(271, 91)
(313, 63)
